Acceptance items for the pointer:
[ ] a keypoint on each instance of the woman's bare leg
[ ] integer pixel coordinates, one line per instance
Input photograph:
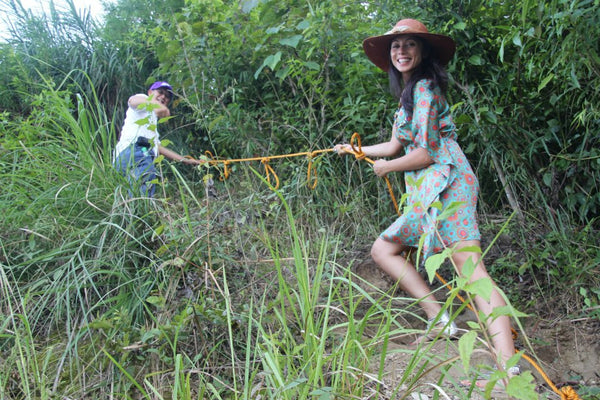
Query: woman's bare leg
(389, 257)
(498, 328)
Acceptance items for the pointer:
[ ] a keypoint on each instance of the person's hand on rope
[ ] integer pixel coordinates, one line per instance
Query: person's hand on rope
(380, 168)
(191, 161)
(343, 149)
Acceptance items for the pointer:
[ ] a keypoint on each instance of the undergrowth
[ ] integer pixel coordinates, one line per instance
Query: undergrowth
(224, 290)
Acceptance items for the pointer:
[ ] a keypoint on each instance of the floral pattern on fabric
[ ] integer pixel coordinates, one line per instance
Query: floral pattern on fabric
(448, 180)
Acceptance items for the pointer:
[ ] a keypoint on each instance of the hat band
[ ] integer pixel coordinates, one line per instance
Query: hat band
(401, 29)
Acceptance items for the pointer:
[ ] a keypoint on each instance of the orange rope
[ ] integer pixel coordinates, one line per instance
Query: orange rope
(269, 171)
(311, 170)
(565, 393)
(358, 153)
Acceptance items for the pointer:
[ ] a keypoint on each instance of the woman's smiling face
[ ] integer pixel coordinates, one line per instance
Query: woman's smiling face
(406, 54)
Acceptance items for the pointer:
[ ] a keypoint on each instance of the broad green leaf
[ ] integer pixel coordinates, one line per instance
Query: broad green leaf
(481, 287)
(282, 73)
(466, 344)
(517, 40)
(158, 301)
(509, 311)
(271, 61)
(291, 41)
(469, 249)
(449, 210)
(312, 65)
(303, 25)
(522, 387)
(249, 5)
(434, 262)
(475, 60)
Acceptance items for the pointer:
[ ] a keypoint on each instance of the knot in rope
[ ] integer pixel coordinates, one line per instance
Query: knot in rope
(568, 393)
(358, 153)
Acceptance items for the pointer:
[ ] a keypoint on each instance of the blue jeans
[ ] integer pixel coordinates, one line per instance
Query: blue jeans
(136, 163)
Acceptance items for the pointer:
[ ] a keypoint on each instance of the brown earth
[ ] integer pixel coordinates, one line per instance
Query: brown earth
(567, 350)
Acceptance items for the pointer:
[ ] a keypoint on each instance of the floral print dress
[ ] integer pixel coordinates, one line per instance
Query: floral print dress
(449, 181)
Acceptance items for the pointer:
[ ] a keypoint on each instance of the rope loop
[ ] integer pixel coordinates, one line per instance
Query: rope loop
(213, 161)
(358, 153)
(269, 170)
(311, 170)
(226, 170)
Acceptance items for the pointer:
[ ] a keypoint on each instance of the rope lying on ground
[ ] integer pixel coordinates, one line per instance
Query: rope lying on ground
(565, 393)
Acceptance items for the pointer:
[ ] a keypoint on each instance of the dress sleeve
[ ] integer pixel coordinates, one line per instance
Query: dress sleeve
(427, 124)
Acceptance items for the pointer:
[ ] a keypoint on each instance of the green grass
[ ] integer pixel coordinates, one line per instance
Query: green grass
(252, 293)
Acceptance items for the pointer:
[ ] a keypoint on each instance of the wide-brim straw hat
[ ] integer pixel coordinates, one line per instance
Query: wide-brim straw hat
(377, 48)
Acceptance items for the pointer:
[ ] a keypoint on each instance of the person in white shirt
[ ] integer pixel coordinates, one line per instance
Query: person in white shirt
(139, 143)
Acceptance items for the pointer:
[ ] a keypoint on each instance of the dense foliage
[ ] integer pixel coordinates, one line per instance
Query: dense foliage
(220, 289)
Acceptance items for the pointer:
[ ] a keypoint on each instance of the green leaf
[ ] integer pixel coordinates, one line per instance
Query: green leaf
(303, 25)
(215, 121)
(100, 323)
(248, 5)
(142, 121)
(271, 62)
(509, 311)
(434, 262)
(449, 210)
(466, 344)
(475, 60)
(545, 82)
(482, 287)
(522, 387)
(292, 41)
(517, 40)
(158, 301)
(473, 325)
(547, 179)
(312, 65)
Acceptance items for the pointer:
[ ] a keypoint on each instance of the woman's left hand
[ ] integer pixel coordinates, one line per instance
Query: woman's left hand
(380, 168)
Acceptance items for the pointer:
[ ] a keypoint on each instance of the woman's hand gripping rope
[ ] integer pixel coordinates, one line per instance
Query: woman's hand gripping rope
(355, 147)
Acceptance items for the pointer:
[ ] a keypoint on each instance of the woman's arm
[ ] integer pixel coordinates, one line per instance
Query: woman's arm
(416, 159)
(384, 149)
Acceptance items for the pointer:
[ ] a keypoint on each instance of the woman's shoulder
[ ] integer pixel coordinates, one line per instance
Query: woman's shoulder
(426, 86)
(425, 83)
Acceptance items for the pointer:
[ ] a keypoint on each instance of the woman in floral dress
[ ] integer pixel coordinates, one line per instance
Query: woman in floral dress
(423, 146)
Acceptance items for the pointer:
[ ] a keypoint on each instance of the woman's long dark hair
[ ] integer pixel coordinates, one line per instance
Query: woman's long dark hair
(430, 68)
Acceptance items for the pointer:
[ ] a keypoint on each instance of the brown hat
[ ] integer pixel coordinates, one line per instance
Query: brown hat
(377, 48)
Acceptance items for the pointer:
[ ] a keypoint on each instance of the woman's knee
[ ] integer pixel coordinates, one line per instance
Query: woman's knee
(381, 250)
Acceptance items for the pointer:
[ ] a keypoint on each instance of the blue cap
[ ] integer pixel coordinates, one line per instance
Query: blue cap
(161, 84)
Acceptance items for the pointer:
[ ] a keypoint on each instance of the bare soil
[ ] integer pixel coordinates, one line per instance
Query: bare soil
(567, 350)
